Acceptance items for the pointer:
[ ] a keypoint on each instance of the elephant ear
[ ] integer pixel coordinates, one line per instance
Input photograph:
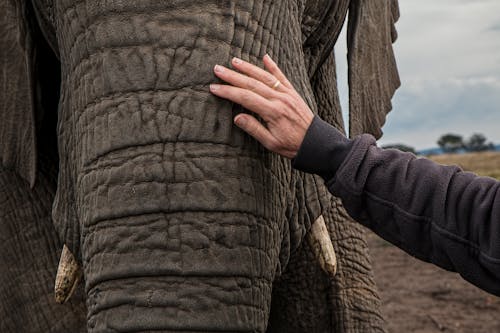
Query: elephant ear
(322, 21)
(373, 74)
(17, 114)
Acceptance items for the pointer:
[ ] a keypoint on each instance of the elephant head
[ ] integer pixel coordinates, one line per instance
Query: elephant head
(179, 220)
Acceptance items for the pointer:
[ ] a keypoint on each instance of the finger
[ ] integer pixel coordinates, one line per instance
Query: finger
(248, 99)
(255, 72)
(253, 127)
(273, 68)
(243, 81)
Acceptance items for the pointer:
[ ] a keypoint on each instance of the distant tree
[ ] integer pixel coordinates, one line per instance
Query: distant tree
(451, 143)
(477, 142)
(401, 147)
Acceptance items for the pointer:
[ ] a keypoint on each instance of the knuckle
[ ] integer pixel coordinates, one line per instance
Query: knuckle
(250, 84)
(245, 98)
(252, 128)
(274, 106)
(247, 81)
(290, 102)
(273, 146)
(283, 97)
(270, 145)
(279, 110)
(286, 101)
(270, 80)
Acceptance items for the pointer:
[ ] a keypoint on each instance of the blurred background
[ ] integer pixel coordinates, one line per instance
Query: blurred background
(448, 55)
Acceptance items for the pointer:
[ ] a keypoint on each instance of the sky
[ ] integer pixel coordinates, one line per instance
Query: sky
(448, 55)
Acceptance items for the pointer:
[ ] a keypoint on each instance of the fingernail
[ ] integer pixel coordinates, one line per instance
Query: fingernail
(268, 57)
(214, 86)
(237, 61)
(218, 69)
(240, 121)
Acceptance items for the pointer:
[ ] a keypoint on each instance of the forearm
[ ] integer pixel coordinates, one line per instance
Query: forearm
(439, 214)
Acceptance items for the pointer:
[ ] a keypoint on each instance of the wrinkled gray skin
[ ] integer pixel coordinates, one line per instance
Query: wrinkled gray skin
(182, 223)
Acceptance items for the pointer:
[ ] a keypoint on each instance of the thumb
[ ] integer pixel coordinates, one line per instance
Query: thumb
(255, 129)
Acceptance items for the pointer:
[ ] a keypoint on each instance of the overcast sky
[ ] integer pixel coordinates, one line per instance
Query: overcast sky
(448, 55)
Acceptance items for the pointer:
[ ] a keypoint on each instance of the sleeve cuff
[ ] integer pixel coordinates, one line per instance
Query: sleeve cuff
(323, 150)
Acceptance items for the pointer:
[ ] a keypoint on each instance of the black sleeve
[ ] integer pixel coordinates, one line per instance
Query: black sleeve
(439, 214)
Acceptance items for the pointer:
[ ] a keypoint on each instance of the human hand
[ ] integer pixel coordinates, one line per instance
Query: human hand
(270, 95)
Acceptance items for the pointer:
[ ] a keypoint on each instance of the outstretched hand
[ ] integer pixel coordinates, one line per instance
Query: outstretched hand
(270, 95)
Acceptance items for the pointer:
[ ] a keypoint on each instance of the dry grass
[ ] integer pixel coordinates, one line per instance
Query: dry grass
(484, 163)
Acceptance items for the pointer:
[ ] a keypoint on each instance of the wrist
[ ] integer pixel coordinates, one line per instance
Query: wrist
(323, 150)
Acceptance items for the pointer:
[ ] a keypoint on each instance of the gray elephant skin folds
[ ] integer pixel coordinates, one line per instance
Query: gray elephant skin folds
(111, 144)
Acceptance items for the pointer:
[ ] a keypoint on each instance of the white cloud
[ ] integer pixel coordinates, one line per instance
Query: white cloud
(426, 109)
(448, 38)
(448, 55)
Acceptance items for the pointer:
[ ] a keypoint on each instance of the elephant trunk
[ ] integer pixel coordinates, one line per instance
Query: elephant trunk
(175, 209)
(177, 272)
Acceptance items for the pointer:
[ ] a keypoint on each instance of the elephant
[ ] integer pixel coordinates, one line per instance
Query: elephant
(112, 145)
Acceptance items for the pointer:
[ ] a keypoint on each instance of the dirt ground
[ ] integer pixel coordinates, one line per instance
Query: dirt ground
(484, 164)
(419, 297)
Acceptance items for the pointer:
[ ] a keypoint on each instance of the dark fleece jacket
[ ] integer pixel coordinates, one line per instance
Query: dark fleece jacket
(439, 214)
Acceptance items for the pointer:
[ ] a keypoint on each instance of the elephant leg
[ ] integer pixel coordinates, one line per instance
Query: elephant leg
(300, 301)
(353, 296)
(318, 302)
(29, 252)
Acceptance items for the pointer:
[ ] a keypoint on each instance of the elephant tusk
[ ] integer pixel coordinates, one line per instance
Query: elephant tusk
(68, 276)
(322, 246)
